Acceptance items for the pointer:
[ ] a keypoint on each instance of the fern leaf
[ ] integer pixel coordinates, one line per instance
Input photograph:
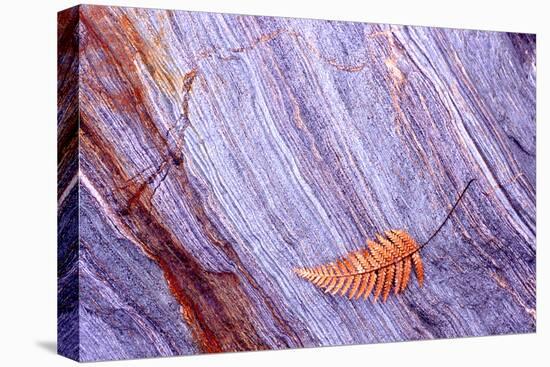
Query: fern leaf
(384, 265)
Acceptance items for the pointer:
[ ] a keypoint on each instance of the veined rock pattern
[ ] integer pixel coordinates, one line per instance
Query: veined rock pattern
(204, 157)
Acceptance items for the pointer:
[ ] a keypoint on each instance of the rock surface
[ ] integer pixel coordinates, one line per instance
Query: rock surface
(203, 157)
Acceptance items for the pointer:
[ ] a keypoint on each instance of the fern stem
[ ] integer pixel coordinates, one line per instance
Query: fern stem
(448, 214)
(395, 261)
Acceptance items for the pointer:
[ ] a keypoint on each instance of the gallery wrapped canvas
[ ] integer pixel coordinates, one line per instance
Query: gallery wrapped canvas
(238, 183)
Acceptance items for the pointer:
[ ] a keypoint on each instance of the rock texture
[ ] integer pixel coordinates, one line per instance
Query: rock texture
(203, 157)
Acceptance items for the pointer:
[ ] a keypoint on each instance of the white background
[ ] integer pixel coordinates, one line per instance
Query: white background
(28, 181)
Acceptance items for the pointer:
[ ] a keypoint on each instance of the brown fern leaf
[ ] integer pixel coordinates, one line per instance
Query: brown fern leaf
(385, 265)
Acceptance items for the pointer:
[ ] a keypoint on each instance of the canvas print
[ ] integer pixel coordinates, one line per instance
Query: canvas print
(240, 183)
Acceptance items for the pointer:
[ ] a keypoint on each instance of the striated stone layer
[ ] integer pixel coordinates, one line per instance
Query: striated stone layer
(203, 157)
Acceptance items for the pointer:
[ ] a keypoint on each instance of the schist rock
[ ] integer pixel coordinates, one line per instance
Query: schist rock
(204, 157)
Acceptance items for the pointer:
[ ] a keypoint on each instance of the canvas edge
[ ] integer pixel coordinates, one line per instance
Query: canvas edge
(68, 340)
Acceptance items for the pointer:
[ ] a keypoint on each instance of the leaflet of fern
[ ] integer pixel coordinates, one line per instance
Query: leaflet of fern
(385, 265)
